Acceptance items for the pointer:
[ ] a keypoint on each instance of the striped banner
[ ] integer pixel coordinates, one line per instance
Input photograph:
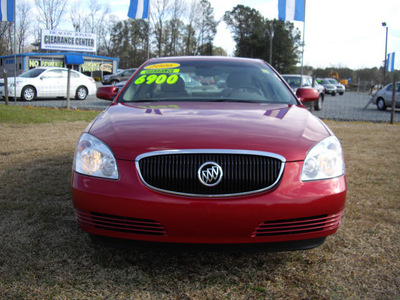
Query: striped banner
(7, 10)
(292, 10)
(390, 62)
(139, 9)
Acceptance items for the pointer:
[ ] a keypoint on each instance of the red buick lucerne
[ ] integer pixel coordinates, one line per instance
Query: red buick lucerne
(196, 151)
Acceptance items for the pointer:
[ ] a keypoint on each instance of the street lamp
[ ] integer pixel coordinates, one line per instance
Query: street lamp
(384, 69)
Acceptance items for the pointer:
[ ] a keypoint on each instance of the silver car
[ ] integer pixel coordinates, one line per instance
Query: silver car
(383, 98)
(340, 88)
(307, 81)
(329, 87)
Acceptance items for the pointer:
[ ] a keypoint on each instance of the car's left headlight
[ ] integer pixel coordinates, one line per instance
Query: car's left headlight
(94, 158)
(324, 161)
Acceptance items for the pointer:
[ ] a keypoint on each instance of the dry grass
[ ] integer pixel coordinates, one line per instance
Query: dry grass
(43, 255)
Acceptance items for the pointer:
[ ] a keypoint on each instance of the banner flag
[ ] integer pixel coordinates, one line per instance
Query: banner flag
(390, 62)
(139, 9)
(7, 10)
(291, 10)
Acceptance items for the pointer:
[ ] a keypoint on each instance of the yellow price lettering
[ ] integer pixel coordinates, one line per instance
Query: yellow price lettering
(158, 79)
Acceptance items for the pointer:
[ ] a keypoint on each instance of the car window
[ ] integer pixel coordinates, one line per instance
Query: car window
(32, 73)
(53, 74)
(207, 81)
(75, 74)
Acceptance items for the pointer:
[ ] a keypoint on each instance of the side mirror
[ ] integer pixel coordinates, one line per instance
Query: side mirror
(107, 92)
(307, 94)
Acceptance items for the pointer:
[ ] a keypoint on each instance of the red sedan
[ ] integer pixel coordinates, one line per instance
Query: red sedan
(235, 162)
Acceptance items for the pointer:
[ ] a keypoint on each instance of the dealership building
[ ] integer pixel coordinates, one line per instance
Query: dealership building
(63, 49)
(91, 65)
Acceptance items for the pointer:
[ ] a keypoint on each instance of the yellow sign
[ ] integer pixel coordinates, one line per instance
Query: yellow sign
(162, 66)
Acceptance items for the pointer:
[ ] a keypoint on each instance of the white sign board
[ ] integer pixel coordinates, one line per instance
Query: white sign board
(68, 41)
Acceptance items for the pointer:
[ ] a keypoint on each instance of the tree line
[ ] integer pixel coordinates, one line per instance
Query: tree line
(176, 27)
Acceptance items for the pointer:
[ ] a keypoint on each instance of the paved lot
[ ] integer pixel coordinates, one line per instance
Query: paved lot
(348, 107)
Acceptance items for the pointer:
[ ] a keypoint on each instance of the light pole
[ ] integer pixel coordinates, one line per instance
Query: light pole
(384, 69)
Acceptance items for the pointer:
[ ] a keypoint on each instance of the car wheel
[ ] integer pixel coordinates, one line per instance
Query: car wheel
(334, 94)
(28, 93)
(380, 104)
(318, 103)
(113, 82)
(341, 93)
(81, 93)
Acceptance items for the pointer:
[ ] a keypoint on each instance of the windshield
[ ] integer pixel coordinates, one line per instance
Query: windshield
(32, 73)
(207, 80)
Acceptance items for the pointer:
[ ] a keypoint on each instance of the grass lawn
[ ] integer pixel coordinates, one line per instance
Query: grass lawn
(44, 255)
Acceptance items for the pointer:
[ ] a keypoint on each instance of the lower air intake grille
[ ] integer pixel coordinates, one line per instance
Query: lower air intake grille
(298, 226)
(178, 173)
(119, 223)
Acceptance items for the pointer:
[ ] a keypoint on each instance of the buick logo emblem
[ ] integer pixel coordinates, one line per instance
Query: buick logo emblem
(210, 173)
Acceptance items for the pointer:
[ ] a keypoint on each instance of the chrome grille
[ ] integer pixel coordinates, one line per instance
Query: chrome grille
(243, 172)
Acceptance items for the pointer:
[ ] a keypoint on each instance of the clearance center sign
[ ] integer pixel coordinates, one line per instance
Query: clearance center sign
(68, 41)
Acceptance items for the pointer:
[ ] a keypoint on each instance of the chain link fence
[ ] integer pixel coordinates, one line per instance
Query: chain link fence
(348, 107)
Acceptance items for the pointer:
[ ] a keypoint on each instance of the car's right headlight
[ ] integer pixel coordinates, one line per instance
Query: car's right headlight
(324, 161)
(94, 158)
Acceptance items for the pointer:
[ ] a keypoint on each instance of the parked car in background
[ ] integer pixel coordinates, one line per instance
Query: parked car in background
(120, 76)
(294, 82)
(383, 98)
(239, 164)
(50, 82)
(340, 88)
(329, 87)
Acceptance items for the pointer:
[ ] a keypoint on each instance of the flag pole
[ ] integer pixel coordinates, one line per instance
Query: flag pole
(302, 51)
(148, 31)
(15, 52)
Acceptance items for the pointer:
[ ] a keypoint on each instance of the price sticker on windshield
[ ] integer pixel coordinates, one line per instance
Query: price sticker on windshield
(157, 79)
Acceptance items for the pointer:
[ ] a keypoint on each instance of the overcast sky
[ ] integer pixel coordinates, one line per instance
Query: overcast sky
(338, 33)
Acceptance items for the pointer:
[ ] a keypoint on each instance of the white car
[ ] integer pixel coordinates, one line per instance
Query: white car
(49, 82)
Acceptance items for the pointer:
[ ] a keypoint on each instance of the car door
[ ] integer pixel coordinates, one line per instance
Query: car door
(49, 84)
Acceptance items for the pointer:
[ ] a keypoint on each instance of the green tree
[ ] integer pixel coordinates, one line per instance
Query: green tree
(129, 42)
(253, 33)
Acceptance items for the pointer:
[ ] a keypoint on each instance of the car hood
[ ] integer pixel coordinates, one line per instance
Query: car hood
(287, 130)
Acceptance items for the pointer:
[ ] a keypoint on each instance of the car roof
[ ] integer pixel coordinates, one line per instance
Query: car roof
(205, 58)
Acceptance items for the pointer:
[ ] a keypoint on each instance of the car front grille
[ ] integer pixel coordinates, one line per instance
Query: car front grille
(119, 223)
(298, 226)
(178, 172)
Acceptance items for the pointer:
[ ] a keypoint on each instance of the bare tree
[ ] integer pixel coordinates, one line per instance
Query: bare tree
(51, 12)
(6, 38)
(76, 16)
(159, 16)
(24, 24)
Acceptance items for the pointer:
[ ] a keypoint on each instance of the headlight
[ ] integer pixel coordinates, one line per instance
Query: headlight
(94, 158)
(324, 161)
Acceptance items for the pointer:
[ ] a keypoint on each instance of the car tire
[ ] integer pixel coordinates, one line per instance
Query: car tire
(334, 94)
(81, 93)
(341, 93)
(113, 82)
(318, 103)
(28, 93)
(380, 104)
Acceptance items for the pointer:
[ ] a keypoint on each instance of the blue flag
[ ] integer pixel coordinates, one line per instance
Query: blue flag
(139, 9)
(390, 62)
(291, 10)
(7, 10)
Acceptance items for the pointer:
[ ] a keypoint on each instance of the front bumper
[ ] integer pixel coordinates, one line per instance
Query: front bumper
(293, 211)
